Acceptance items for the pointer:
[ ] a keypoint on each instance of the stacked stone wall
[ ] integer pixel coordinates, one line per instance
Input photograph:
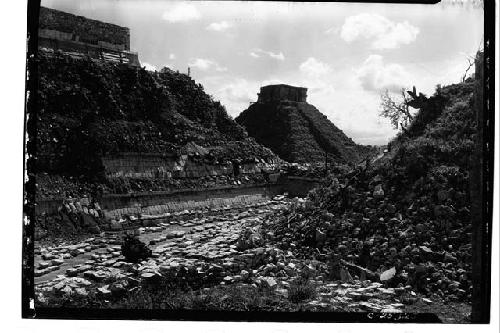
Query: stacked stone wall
(166, 167)
(282, 92)
(194, 203)
(84, 29)
(78, 50)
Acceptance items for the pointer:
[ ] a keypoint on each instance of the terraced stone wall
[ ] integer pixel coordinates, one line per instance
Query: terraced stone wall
(159, 166)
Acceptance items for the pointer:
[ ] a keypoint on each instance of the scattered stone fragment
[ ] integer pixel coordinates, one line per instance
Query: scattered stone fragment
(72, 272)
(268, 283)
(104, 291)
(388, 274)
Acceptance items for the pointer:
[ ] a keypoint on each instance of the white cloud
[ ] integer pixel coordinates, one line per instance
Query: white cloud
(257, 53)
(332, 30)
(277, 56)
(206, 64)
(219, 26)
(148, 67)
(171, 56)
(235, 93)
(376, 76)
(384, 33)
(181, 12)
(313, 67)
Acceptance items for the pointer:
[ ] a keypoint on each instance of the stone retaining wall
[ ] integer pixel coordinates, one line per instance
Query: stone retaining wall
(194, 204)
(160, 166)
(161, 202)
(114, 206)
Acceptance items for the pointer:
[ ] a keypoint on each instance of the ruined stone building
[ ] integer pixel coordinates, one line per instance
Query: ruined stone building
(282, 92)
(77, 36)
(283, 121)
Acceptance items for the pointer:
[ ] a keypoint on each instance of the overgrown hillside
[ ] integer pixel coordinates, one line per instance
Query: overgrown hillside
(409, 211)
(88, 108)
(298, 132)
(442, 133)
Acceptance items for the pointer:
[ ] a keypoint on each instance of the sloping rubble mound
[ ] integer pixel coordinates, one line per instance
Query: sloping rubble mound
(88, 109)
(407, 218)
(298, 132)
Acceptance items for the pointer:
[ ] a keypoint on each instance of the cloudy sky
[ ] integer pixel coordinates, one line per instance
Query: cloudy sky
(345, 54)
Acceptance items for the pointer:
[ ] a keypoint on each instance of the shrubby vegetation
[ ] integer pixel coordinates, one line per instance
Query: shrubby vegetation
(301, 290)
(441, 133)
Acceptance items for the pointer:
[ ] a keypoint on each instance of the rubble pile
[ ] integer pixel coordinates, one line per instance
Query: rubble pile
(75, 216)
(407, 218)
(424, 239)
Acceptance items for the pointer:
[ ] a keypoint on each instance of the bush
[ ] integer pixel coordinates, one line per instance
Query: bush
(301, 290)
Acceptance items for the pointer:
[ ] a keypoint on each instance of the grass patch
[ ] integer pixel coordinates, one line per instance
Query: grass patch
(240, 297)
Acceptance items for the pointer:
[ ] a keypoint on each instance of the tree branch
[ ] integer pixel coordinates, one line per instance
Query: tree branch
(471, 63)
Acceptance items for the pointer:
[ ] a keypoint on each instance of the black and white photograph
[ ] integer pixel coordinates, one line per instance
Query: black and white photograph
(259, 161)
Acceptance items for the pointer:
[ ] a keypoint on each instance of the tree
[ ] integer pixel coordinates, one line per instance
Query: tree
(471, 60)
(396, 110)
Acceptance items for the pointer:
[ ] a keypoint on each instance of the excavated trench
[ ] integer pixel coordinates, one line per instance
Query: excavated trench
(199, 246)
(181, 234)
